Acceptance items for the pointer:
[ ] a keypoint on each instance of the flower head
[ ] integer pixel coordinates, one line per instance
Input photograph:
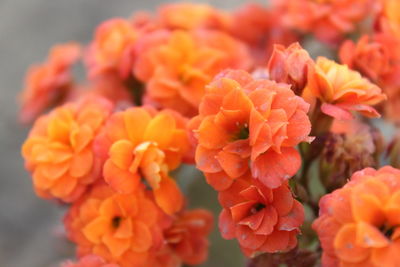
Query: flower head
(359, 223)
(177, 65)
(89, 261)
(246, 122)
(59, 153)
(187, 236)
(342, 90)
(142, 143)
(48, 84)
(121, 228)
(262, 219)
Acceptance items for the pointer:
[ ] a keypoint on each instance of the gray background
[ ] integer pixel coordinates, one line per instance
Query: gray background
(30, 228)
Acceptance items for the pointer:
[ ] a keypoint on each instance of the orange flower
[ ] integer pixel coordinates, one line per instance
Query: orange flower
(290, 65)
(189, 16)
(141, 143)
(368, 57)
(89, 261)
(188, 236)
(262, 219)
(112, 38)
(329, 20)
(121, 228)
(390, 17)
(245, 121)
(48, 84)
(59, 152)
(359, 223)
(176, 66)
(342, 90)
(261, 28)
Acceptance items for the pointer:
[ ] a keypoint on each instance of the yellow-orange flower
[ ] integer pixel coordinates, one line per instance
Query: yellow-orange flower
(176, 66)
(188, 16)
(58, 151)
(121, 228)
(48, 84)
(112, 38)
(391, 17)
(246, 123)
(342, 90)
(141, 143)
(359, 223)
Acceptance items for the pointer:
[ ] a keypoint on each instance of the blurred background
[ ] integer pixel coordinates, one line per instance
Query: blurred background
(30, 228)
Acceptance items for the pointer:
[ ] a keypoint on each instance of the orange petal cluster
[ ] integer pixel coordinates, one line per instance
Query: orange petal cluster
(89, 261)
(175, 66)
(121, 228)
(329, 20)
(262, 219)
(187, 236)
(246, 123)
(359, 223)
(142, 143)
(59, 152)
(342, 90)
(49, 83)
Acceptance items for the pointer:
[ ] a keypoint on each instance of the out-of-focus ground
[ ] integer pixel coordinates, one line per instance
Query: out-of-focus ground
(30, 228)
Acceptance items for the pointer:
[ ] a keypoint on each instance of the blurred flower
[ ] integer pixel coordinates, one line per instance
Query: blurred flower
(48, 84)
(188, 235)
(58, 151)
(262, 219)
(112, 38)
(89, 261)
(176, 66)
(350, 147)
(329, 20)
(342, 90)
(290, 65)
(142, 143)
(367, 56)
(244, 122)
(390, 17)
(358, 224)
(260, 28)
(121, 228)
(189, 16)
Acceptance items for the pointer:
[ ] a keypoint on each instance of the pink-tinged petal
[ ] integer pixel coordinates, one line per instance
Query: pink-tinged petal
(277, 241)
(282, 200)
(234, 165)
(206, 160)
(219, 181)
(272, 169)
(248, 239)
(298, 129)
(254, 221)
(336, 112)
(226, 225)
(239, 147)
(293, 220)
(252, 193)
(269, 221)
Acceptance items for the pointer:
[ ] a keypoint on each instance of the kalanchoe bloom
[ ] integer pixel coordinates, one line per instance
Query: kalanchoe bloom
(366, 56)
(350, 147)
(48, 84)
(359, 223)
(262, 219)
(390, 18)
(329, 20)
(260, 28)
(249, 122)
(187, 236)
(290, 65)
(59, 153)
(189, 16)
(112, 39)
(176, 66)
(342, 90)
(89, 261)
(143, 143)
(125, 229)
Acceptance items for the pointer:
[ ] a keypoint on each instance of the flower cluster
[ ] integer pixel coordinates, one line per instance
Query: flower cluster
(275, 129)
